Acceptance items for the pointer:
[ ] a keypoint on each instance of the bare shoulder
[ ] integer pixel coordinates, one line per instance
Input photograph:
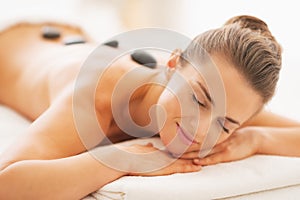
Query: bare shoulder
(268, 118)
(52, 135)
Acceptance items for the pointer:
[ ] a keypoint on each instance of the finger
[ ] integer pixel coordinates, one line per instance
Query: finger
(184, 166)
(218, 148)
(149, 144)
(212, 159)
(195, 154)
(190, 155)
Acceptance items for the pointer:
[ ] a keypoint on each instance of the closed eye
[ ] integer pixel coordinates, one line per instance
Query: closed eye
(197, 101)
(226, 130)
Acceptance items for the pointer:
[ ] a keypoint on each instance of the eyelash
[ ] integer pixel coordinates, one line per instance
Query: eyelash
(197, 101)
(226, 130)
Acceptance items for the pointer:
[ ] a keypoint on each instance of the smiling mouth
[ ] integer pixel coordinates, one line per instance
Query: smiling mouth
(184, 136)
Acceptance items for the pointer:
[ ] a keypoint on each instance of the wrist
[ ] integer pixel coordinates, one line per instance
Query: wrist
(261, 136)
(114, 157)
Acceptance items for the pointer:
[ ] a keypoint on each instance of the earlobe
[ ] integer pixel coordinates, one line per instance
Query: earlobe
(172, 62)
(174, 58)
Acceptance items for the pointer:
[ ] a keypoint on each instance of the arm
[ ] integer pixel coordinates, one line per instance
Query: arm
(66, 178)
(280, 141)
(74, 177)
(278, 135)
(266, 118)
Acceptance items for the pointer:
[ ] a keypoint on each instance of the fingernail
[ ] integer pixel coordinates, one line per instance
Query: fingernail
(198, 167)
(202, 162)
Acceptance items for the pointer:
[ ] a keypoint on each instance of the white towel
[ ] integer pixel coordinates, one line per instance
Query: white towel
(254, 174)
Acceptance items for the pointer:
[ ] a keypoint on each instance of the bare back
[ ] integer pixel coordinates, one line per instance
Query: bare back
(30, 63)
(36, 79)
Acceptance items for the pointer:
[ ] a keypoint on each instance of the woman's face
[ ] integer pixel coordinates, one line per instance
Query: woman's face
(241, 102)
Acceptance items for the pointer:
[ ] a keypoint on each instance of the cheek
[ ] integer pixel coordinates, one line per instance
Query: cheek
(204, 123)
(223, 137)
(169, 103)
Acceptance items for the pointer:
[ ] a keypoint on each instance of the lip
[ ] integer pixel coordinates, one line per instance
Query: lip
(184, 136)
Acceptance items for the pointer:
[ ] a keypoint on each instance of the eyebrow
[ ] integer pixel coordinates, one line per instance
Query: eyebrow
(232, 120)
(212, 102)
(207, 95)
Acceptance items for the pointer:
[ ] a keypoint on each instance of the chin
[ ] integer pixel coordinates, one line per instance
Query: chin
(173, 145)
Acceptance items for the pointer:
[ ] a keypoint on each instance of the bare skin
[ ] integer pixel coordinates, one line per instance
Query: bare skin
(39, 85)
(52, 141)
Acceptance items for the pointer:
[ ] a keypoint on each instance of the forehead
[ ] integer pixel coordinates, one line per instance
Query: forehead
(241, 100)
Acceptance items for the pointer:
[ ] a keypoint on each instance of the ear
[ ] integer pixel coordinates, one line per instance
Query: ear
(174, 58)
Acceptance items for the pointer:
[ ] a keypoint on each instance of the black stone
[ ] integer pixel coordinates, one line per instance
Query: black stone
(49, 32)
(73, 40)
(144, 58)
(113, 43)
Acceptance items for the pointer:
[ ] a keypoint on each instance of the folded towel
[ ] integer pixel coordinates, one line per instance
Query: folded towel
(254, 174)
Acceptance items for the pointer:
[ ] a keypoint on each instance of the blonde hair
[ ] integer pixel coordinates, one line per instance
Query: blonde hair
(248, 44)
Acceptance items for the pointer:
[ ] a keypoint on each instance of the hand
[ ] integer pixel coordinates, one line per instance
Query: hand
(161, 159)
(241, 144)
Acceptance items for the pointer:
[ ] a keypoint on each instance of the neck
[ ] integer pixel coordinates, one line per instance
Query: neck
(146, 97)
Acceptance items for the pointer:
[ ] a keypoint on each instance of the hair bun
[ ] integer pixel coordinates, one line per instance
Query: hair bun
(253, 23)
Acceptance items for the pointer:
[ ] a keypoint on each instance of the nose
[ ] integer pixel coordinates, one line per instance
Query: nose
(198, 137)
(194, 147)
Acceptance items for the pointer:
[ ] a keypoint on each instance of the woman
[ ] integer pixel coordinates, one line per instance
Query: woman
(50, 160)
